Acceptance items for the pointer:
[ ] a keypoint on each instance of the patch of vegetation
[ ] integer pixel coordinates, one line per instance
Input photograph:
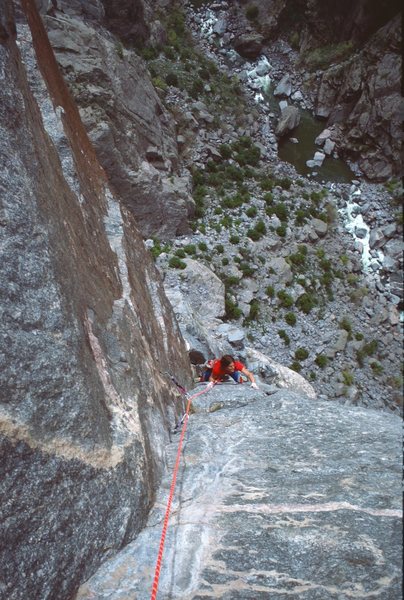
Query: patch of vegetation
(320, 58)
(176, 263)
(295, 366)
(232, 310)
(254, 311)
(347, 377)
(252, 12)
(281, 231)
(376, 368)
(285, 299)
(171, 79)
(306, 302)
(251, 212)
(158, 249)
(346, 324)
(321, 360)
(284, 336)
(301, 354)
(290, 318)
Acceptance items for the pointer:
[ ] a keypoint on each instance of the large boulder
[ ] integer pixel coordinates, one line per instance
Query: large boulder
(249, 45)
(288, 121)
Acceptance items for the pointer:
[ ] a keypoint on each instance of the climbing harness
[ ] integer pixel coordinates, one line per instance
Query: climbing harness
(184, 422)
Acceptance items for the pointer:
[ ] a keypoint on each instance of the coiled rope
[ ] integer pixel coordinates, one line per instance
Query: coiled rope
(170, 497)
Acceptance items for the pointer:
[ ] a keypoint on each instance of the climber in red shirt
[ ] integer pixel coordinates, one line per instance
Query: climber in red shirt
(227, 366)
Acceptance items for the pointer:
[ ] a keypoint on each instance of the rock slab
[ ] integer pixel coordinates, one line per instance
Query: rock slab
(275, 493)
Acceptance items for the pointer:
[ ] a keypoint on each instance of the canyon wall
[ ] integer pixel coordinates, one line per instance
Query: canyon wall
(87, 340)
(350, 58)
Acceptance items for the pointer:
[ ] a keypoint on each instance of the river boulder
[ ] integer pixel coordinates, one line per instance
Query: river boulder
(249, 45)
(288, 121)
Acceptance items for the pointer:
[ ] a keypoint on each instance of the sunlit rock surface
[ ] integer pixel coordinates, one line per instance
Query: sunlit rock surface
(277, 496)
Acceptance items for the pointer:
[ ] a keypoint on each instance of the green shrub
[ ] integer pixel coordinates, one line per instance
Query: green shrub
(234, 239)
(267, 184)
(176, 263)
(190, 249)
(251, 212)
(251, 12)
(281, 211)
(306, 302)
(260, 227)
(180, 253)
(254, 310)
(285, 300)
(281, 231)
(346, 324)
(234, 173)
(204, 73)
(218, 211)
(202, 246)
(231, 280)
(301, 217)
(295, 366)
(282, 334)
(370, 348)
(298, 259)
(172, 79)
(169, 52)
(376, 368)
(225, 261)
(284, 182)
(225, 151)
(246, 269)
(347, 377)
(219, 248)
(159, 83)
(290, 318)
(359, 336)
(196, 89)
(253, 235)
(231, 308)
(226, 222)
(321, 360)
(268, 198)
(301, 354)
(270, 291)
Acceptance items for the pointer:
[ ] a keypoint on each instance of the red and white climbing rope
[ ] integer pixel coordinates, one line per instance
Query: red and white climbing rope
(170, 497)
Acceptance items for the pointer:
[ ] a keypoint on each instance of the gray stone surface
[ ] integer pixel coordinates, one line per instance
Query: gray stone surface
(276, 495)
(124, 118)
(288, 121)
(87, 335)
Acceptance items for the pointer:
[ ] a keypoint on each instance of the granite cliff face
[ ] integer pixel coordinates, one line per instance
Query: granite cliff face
(87, 336)
(132, 133)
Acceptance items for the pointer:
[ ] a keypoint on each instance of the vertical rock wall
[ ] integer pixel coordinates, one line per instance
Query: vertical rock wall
(87, 335)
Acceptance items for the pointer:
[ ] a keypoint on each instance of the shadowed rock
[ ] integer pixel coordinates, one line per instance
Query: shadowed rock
(87, 335)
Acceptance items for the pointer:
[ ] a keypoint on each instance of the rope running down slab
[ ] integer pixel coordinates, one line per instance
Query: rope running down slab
(170, 498)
